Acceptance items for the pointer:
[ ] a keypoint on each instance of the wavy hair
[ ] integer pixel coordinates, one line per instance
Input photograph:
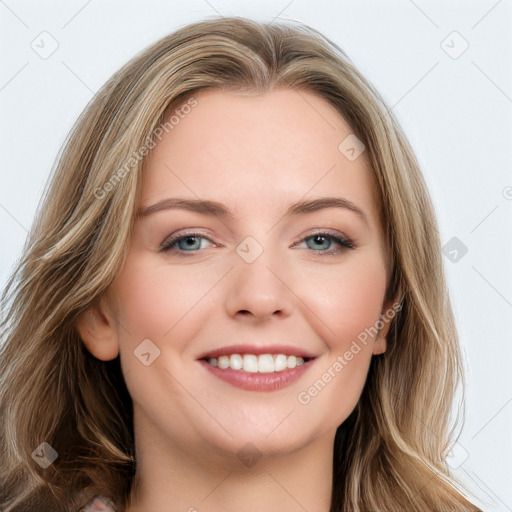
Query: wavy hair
(389, 454)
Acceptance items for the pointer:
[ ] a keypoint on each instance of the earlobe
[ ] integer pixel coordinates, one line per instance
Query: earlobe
(383, 325)
(379, 345)
(97, 330)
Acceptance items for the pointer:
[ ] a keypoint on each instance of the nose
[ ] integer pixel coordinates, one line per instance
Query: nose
(259, 290)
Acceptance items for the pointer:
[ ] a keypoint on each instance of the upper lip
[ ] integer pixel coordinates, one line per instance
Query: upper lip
(288, 350)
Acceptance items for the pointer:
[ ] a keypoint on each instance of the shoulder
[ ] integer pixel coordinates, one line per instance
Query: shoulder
(98, 503)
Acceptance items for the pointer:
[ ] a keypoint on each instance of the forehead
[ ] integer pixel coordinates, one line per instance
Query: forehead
(259, 151)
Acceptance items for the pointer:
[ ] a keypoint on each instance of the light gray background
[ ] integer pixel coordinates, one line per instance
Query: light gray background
(456, 110)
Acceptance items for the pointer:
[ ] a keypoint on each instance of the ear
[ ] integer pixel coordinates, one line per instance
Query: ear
(98, 331)
(389, 311)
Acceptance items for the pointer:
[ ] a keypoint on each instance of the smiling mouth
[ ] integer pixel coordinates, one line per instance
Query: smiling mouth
(252, 363)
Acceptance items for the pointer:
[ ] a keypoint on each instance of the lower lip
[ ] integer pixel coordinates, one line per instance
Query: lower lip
(259, 381)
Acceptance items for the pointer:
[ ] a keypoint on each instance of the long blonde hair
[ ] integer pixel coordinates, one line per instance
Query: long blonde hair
(389, 454)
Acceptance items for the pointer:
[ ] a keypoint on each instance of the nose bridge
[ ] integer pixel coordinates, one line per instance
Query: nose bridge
(258, 281)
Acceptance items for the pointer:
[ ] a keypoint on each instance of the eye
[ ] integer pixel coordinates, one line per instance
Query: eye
(188, 242)
(323, 242)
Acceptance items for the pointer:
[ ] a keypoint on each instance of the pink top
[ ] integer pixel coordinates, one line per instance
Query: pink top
(98, 503)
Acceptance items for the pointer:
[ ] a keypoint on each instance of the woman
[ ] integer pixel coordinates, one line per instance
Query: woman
(232, 296)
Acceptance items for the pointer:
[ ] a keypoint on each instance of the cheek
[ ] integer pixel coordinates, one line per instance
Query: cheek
(346, 300)
(165, 305)
(347, 304)
(155, 297)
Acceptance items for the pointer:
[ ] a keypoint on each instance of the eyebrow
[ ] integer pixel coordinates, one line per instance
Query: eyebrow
(213, 208)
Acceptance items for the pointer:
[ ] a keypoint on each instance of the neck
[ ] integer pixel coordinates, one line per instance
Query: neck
(172, 479)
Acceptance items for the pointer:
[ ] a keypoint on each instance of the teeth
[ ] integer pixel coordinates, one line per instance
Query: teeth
(280, 363)
(264, 363)
(250, 363)
(236, 362)
(223, 362)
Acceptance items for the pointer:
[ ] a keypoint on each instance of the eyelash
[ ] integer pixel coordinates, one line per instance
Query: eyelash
(168, 245)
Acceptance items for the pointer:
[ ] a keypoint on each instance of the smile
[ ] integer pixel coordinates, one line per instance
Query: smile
(263, 372)
(252, 363)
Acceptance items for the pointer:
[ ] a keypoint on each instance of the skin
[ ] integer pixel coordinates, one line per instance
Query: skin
(255, 155)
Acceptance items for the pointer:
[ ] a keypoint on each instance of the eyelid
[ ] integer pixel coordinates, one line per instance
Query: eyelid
(168, 241)
(344, 240)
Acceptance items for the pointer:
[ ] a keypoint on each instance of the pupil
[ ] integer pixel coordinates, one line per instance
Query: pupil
(321, 241)
(190, 242)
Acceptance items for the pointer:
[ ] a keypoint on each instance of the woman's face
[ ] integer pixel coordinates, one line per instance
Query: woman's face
(252, 275)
